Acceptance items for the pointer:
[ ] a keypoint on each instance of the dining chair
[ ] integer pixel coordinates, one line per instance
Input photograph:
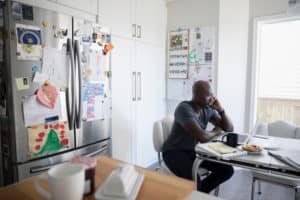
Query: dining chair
(161, 131)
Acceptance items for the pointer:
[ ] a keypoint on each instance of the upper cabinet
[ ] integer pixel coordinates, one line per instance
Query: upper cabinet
(150, 18)
(143, 20)
(118, 16)
(89, 6)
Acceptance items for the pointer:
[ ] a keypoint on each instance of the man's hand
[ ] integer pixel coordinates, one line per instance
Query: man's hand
(216, 105)
(217, 130)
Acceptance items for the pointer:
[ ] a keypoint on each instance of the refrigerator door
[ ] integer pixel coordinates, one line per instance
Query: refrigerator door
(55, 30)
(93, 101)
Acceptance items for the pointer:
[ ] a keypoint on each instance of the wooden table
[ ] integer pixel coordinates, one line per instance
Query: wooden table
(155, 186)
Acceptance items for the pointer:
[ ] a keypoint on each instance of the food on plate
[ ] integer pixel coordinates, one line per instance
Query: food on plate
(252, 148)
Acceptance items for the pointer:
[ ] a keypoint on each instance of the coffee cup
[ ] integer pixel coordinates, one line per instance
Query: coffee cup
(66, 181)
(231, 139)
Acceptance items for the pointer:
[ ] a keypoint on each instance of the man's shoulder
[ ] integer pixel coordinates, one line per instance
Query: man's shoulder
(185, 104)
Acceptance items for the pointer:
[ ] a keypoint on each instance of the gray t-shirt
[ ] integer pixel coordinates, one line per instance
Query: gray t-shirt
(179, 138)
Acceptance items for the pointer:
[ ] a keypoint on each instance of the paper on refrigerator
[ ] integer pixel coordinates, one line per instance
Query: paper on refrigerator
(29, 42)
(96, 66)
(93, 101)
(55, 67)
(36, 113)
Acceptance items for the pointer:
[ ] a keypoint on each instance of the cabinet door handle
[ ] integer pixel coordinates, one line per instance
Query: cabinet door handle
(139, 76)
(139, 31)
(133, 86)
(133, 30)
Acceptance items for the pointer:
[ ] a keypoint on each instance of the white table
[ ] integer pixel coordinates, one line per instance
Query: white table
(260, 162)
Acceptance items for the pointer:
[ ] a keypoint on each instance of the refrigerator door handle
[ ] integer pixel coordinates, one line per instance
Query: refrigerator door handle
(39, 169)
(78, 108)
(139, 77)
(134, 86)
(97, 151)
(70, 95)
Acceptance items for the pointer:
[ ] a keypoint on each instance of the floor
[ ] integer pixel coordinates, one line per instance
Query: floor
(239, 188)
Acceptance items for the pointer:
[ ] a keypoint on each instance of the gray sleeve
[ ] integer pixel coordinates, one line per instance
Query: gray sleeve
(184, 113)
(213, 115)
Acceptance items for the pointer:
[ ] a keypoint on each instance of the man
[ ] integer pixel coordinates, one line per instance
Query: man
(191, 119)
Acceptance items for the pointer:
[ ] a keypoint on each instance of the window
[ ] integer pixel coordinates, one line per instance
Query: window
(278, 71)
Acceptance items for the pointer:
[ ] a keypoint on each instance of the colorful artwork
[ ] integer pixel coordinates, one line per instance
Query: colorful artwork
(48, 138)
(93, 101)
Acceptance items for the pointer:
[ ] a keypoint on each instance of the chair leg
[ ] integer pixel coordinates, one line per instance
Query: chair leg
(217, 190)
(253, 188)
(259, 187)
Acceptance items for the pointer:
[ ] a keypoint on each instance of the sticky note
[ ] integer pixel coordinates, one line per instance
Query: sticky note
(22, 83)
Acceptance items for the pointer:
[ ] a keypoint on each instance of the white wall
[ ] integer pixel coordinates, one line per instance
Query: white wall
(258, 9)
(234, 20)
(191, 13)
(232, 68)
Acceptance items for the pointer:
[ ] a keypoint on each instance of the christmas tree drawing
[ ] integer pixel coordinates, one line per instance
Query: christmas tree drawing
(52, 144)
(48, 138)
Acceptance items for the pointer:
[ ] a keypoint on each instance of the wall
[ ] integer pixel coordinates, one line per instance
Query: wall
(191, 13)
(232, 68)
(258, 9)
(232, 31)
(235, 38)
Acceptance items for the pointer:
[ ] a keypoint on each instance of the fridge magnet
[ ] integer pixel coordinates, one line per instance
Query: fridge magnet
(27, 12)
(28, 42)
(48, 138)
(36, 68)
(107, 48)
(47, 95)
(22, 83)
(16, 10)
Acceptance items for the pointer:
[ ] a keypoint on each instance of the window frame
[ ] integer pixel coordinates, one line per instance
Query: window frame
(257, 24)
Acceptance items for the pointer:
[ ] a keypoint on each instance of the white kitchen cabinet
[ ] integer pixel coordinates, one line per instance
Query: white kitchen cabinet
(89, 6)
(150, 18)
(143, 20)
(118, 15)
(122, 102)
(138, 84)
(150, 99)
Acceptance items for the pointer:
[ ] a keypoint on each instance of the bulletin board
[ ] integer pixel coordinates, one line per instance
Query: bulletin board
(201, 63)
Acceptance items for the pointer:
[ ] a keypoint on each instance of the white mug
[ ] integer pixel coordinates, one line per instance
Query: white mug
(66, 181)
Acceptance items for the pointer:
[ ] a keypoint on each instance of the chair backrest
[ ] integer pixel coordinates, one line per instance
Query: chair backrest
(282, 128)
(161, 131)
(297, 133)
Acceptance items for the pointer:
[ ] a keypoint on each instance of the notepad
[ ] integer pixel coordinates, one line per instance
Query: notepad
(219, 150)
(222, 148)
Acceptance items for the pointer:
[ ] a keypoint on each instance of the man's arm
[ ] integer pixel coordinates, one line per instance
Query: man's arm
(185, 116)
(223, 119)
(201, 135)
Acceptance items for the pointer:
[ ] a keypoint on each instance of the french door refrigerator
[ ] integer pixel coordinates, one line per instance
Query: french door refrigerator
(57, 98)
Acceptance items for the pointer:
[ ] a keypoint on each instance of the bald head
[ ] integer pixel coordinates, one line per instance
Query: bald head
(202, 94)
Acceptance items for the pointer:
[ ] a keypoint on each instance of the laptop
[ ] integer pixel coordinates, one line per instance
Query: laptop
(243, 138)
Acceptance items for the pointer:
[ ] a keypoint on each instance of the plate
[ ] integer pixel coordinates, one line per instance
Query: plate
(136, 188)
(250, 152)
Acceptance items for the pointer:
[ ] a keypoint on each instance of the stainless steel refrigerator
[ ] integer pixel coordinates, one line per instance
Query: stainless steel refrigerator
(29, 32)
